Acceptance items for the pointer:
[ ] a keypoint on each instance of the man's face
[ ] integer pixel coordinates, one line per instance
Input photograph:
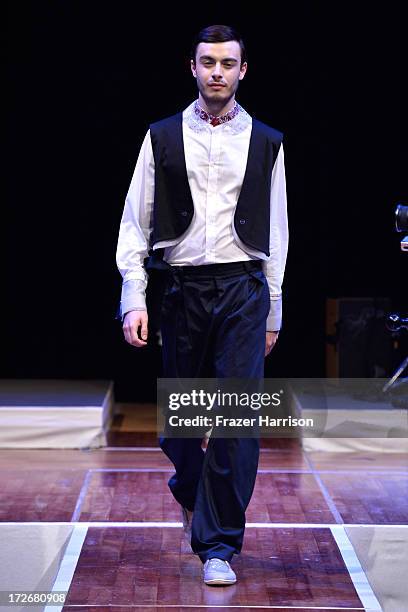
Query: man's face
(218, 70)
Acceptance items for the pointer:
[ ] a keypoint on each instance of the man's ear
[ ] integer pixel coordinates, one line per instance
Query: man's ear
(193, 68)
(242, 71)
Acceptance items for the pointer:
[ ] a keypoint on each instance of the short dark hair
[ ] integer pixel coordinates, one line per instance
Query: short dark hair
(215, 34)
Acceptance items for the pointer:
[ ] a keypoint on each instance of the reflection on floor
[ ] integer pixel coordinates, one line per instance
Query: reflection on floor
(322, 530)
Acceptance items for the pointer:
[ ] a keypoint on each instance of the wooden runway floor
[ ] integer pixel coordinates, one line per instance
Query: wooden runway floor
(127, 550)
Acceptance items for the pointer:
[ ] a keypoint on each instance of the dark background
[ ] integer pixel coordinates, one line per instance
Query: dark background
(87, 78)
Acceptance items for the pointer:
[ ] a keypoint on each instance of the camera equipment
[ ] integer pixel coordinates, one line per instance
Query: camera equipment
(401, 224)
(394, 321)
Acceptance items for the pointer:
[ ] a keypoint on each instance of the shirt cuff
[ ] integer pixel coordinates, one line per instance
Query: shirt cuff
(133, 296)
(274, 320)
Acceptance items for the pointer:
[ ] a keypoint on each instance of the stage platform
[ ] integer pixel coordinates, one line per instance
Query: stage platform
(55, 413)
(351, 415)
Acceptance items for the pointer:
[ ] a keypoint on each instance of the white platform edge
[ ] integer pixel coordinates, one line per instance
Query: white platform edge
(357, 575)
(69, 563)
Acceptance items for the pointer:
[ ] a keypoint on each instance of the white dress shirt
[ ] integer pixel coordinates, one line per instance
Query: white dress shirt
(216, 159)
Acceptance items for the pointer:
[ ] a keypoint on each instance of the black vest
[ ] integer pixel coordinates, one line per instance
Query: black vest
(173, 204)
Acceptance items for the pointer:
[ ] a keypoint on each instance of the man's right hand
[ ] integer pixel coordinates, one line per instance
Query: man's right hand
(131, 323)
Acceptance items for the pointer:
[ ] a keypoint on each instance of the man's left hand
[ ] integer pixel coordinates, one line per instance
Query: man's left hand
(271, 338)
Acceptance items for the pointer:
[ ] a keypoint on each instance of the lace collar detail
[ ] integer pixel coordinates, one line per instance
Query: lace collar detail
(200, 123)
(216, 119)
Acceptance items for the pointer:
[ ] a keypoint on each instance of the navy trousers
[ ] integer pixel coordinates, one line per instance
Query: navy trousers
(213, 324)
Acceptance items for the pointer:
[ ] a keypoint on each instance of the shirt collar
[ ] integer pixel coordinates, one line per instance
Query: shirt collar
(213, 119)
(241, 122)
